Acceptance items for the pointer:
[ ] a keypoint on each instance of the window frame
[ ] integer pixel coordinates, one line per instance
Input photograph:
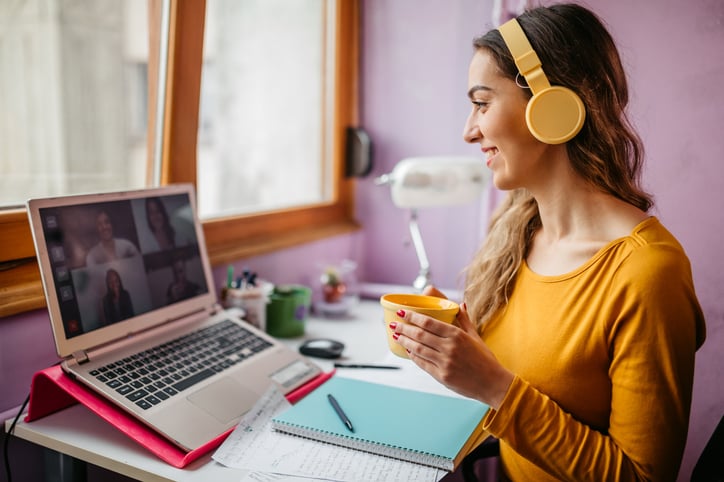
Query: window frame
(230, 238)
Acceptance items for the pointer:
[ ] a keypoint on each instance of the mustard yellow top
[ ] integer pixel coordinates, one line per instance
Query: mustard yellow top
(604, 364)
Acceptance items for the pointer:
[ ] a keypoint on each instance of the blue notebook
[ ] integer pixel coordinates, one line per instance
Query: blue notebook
(421, 427)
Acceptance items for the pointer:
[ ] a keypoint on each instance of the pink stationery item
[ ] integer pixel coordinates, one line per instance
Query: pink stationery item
(52, 390)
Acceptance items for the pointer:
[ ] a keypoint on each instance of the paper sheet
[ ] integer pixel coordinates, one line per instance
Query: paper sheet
(269, 477)
(254, 446)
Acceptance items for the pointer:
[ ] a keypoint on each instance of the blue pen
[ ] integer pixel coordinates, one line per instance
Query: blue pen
(340, 412)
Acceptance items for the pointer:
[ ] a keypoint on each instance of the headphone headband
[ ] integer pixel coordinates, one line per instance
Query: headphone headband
(554, 114)
(527, 61)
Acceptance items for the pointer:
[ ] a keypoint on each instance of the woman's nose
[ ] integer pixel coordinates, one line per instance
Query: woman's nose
(471, 131)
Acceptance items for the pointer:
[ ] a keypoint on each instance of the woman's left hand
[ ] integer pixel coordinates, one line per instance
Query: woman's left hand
(456, 356)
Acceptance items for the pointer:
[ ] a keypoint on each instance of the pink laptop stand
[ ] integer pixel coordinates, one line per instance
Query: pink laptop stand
(52, 390)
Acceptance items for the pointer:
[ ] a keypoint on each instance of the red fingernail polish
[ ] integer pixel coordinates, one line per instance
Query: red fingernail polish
(401, 313)
(395, 336)
(393, 325)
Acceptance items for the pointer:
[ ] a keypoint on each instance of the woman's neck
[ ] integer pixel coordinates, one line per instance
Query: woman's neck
(577, 221)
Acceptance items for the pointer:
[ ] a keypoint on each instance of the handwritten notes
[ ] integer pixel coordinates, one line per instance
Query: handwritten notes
(254, 446)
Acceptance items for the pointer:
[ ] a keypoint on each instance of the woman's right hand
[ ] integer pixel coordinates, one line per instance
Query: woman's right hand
(455, 355)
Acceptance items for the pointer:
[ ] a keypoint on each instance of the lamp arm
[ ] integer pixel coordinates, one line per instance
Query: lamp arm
(423, 278)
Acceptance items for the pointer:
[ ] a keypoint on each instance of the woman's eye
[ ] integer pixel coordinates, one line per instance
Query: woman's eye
(479, 105)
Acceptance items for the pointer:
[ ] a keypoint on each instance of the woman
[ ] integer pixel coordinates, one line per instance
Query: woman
(580, 321)
(181, 288)
(159, 224)
(117, 304)
(108, 248)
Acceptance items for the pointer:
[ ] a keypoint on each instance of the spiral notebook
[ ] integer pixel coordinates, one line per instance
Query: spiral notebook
(426, 428)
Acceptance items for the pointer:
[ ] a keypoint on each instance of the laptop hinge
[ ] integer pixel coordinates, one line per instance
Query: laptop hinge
(80, 357)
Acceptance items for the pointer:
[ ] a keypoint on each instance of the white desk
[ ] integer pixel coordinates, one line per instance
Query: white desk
(79, 433)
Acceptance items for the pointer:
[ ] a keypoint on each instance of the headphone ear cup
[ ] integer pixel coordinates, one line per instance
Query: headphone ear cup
(555, 115)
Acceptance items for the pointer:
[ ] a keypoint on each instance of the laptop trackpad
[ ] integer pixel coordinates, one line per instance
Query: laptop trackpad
(224, 399)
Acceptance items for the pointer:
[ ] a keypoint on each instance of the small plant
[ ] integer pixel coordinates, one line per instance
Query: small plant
(330, 276)
(333, 287)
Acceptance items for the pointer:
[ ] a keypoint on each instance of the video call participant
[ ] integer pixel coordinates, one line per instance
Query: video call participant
(117, 304)
(159, 224)
(108, 248)
(180, 288)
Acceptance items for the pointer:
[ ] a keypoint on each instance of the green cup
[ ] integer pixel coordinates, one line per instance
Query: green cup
(287, 310)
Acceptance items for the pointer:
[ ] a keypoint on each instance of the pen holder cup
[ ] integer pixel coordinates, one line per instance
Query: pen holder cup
(252, 300)
(287, 310)
(439, 308)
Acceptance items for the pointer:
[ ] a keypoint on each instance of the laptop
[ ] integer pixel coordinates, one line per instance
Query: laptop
(135, 316)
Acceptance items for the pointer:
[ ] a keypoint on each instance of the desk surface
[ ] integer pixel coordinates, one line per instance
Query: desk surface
(79, 433)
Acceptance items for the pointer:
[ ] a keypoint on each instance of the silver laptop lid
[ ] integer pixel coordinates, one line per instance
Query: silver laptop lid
(115, 264)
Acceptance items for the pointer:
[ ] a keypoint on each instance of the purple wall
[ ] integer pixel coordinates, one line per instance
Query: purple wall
(415, 58)
(675, 62)
(414, 81)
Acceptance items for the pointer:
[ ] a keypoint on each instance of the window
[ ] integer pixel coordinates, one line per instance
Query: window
(263, 125)
(230, 236)
(74, 97)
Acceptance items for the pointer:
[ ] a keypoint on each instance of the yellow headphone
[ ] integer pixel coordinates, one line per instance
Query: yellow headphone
(554, 114)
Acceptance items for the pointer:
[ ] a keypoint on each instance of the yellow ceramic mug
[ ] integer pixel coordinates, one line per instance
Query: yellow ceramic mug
(432, 306)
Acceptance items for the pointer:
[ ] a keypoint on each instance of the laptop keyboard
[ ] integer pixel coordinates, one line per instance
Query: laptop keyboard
(154, 375)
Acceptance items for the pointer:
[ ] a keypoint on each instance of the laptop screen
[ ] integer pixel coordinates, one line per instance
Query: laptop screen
(111, 260)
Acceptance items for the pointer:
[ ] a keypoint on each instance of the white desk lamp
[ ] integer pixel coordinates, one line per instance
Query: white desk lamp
(418, 182)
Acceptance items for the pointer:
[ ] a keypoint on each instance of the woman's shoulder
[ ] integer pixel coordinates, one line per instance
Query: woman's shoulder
(657, 272)
(652, 238)
(652, 250)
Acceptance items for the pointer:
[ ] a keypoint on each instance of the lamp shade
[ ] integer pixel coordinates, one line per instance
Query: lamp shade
(436, 181)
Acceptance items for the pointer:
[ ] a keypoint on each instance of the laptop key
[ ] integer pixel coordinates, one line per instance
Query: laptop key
(114, 383)
(125, 389)
(138, 394)
(193, 379)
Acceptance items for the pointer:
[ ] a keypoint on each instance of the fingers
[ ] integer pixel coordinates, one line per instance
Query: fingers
(430, 290)
(464, 321)
(436, 327)
(418, 356)
(421, 331)
(427, 323)
(421, 335)
(413, 340)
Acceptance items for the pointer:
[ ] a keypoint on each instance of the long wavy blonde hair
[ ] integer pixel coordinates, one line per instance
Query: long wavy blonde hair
(576, 51)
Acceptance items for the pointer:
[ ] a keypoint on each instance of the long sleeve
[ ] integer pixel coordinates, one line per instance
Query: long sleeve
(604, 359)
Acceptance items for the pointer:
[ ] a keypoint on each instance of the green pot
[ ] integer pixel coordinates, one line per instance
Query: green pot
(287, 310)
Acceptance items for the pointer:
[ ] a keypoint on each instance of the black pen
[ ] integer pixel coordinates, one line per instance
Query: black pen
(340, 412)
(357, 365)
